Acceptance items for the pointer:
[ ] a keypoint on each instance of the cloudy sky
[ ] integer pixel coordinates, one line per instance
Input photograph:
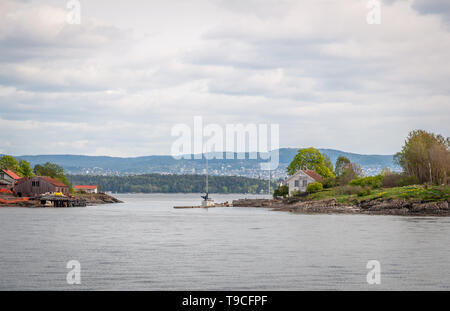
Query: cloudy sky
(118, 82)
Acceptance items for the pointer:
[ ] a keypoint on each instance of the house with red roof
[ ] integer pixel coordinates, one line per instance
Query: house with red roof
(301, 179)
(8, 178)
(37, 185)
(86, 188)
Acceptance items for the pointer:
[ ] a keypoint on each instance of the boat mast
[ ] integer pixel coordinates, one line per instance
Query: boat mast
(207, 174)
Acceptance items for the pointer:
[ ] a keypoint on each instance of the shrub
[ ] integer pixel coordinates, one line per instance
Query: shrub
(364, 191)
(298, 193)
(314, 187)
(409, 181)
(371, 181)
(392, 180)
(329, 182)
(399, 180)
(348, 190)
(281, 191)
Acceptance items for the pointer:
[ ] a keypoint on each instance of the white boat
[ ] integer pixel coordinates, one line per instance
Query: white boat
(207, 201)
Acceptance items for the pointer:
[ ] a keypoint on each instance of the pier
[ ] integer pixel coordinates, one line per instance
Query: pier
(62, 201)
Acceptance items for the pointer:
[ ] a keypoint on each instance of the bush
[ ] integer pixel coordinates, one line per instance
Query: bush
(399, 180)
(281, 191)
(371, 181)
(364, 191)
(409, 181)
(298, 194)
(314, 187)
(348, 190)
(392, 180)
(329, 182)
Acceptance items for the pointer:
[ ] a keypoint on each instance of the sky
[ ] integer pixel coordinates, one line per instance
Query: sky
(118, 82)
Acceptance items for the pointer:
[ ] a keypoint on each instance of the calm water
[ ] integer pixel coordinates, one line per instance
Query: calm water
(145, 244)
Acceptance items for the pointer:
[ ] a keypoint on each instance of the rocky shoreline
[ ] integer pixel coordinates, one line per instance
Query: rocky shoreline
(91, 200)
(377, 206)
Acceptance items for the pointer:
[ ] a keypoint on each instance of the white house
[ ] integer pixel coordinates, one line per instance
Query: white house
(301, 179)
(86, 188)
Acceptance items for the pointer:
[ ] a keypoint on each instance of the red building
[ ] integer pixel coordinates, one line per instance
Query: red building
(34, 186)
(7, 179)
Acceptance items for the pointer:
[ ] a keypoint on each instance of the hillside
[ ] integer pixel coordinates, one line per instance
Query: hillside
(103, 165)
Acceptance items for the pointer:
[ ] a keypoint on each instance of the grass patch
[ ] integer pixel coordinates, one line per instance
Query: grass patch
(410, 193)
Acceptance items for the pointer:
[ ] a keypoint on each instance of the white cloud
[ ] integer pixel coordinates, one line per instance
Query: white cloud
(117, 83)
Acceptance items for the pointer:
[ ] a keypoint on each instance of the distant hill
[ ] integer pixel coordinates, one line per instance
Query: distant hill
(103, 165)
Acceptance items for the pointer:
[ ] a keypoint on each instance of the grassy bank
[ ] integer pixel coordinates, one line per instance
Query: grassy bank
(416, 193)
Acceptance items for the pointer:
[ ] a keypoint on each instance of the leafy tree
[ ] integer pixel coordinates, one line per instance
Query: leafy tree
(425, 156)
(51, 170)
(351, 171)
(310, 159)
(341, 164)
(9, 163)
(328, 162)
(25, 169)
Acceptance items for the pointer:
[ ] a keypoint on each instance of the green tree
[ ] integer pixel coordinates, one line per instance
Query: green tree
(341, 164)
(310, 159)
(328, 162)
(51, 170)
(425, 156)
(8, 163)
(350, 172)
(25, 169)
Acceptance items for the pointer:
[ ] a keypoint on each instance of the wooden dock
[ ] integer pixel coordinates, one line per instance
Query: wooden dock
(225, 204)
(62, 201)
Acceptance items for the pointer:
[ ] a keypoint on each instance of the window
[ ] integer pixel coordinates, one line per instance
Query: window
(305, 182)
(35, 183)
(296, 183)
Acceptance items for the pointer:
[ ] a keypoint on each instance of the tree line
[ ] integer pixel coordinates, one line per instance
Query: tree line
(157, 183)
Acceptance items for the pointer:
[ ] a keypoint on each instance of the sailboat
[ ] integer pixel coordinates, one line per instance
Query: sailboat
(207, 201)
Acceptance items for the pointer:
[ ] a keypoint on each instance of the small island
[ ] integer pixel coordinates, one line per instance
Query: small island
(44, 186)
(315, 186)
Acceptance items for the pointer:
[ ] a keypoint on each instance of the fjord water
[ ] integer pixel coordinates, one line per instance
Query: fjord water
(145, 244)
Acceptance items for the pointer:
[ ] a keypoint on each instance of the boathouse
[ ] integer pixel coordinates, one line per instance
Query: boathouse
(34, 186)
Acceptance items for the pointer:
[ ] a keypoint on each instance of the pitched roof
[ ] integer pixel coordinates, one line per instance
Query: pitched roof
(85, 187)
(53, 181)
(11, 174)
(21, 180)
(310, 173)
(313, 174)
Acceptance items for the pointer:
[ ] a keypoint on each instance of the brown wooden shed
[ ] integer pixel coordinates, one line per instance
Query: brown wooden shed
(34, 186)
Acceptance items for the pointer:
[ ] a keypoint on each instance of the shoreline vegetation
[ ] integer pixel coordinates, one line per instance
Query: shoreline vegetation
(421, 189)
(416, 200)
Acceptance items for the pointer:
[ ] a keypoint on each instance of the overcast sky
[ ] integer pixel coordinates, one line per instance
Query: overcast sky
(117, 83)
